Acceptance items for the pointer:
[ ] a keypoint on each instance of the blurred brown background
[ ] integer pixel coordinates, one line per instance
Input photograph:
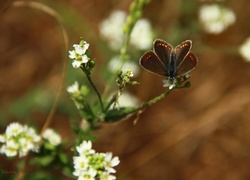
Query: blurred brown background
(199, 133)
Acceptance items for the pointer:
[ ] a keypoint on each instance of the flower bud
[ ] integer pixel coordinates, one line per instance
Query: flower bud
(91, 64)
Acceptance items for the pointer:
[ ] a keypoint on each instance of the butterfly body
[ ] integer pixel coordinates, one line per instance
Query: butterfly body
(169, 62)
(172, 66)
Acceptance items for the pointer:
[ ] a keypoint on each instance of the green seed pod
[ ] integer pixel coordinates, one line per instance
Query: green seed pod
(91, 64)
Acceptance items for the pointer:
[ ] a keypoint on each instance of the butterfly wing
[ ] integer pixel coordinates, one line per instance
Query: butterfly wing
(152, 63)
(182, 51)
(163, 51)
(187, 65)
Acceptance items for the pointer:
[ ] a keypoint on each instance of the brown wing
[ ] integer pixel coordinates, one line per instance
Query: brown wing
(187, 65)
(182, 51)
(163, 51)
(152, 63)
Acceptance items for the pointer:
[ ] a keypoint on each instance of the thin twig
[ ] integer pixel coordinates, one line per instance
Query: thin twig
(51, 12)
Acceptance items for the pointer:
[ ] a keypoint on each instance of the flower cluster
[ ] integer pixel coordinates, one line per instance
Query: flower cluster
(125, 78)
(78, 55)
(215, 19)
(53, 138)
(91, 165)
(19, 139)
(141, 36)
(244, 50)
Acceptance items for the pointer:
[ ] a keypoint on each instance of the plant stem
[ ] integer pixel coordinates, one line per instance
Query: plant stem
(94, 87)
(112, 100)
(154, 100)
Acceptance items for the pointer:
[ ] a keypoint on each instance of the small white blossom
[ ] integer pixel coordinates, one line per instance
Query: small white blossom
(168, 83)
(215, 19)
(20, 140)
(74, 88)
(244, 50)
(81, 49)
(187, 75)
(111, 29)
(8, 151)
(87, 174)
(2, 139)
(85, 148)
(78, 54)
(130, 73)
(142, 36)
(107, 176)
(52, 137)
(80, 164)
(14, 129)
(110, 162)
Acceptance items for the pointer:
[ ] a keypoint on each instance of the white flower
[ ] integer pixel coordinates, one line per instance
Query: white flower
(107, 176)
(78, 54)
(87, 174)
(2, 139)
(187, 75)
(52, 137)
(169, 83)
(77, 64)
(8, 151)
(12, 144)
(111, 29)
(116, 63)
(130, 73)
(110, 162)
(244, 50)
(74, 88)
(14, 129)
(85, 148)
(215, 19)
(81, 49)
(19, 140)
(142, 36)
(80, 164)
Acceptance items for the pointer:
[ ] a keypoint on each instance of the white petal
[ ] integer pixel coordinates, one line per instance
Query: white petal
(72, 54)
(76, 64)
(84, 59)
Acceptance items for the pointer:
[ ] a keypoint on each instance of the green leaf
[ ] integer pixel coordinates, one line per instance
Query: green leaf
(63, 158)
(115, 115)
(43, 161)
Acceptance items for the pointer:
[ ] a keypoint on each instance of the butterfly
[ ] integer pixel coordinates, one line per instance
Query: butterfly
(169, 62)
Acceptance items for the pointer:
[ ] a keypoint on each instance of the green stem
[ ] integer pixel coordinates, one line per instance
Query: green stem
(154, 100)
(112, 100)
(94, 87)
(135, 13)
